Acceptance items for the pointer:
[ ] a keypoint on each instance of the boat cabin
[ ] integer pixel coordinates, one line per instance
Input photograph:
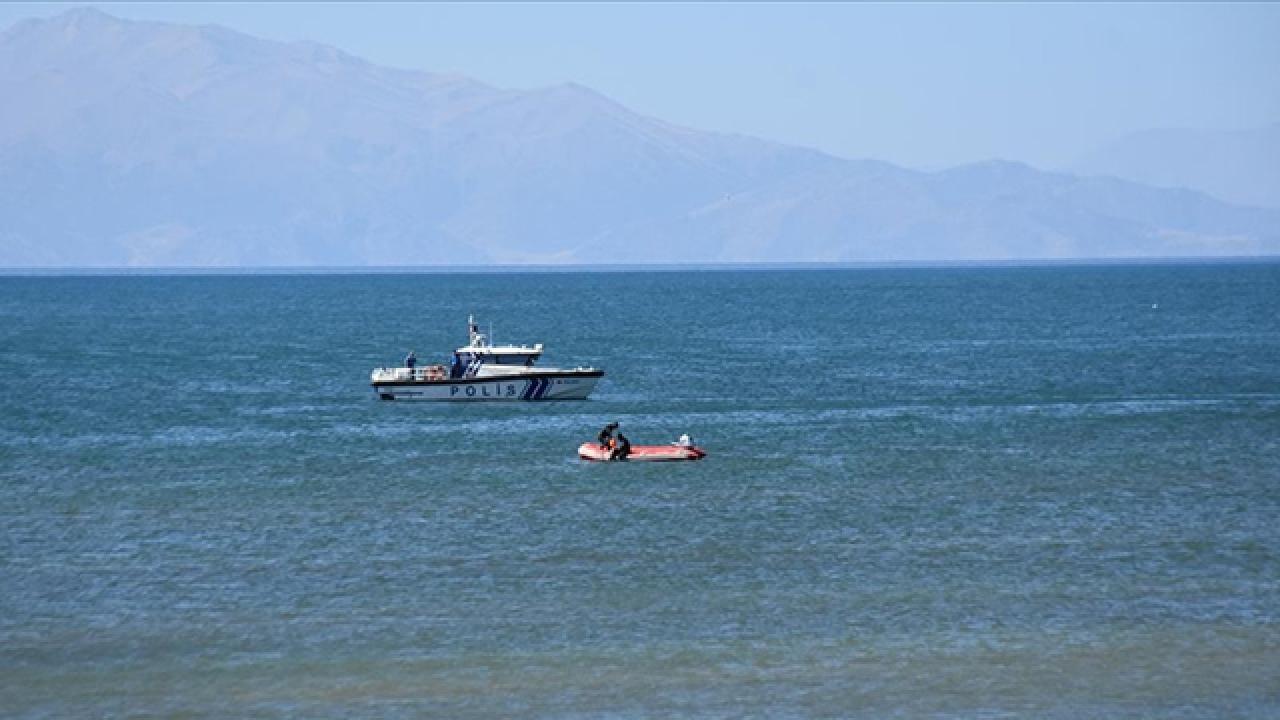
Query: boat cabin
(468, 360)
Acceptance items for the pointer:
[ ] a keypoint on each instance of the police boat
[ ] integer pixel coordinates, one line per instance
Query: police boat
(481, 371)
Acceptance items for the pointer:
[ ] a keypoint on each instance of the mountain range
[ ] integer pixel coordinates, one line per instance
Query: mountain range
(129, 143)
(1239, 166)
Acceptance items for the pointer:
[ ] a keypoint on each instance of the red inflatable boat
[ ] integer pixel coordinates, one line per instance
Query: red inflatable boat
(643, 453)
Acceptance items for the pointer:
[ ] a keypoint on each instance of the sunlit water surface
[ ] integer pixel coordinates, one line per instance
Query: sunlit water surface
(1032, 492)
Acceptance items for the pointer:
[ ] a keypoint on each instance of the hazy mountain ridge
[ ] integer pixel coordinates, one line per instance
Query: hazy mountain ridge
(986, 211)
(151, 144)
(1241, 166)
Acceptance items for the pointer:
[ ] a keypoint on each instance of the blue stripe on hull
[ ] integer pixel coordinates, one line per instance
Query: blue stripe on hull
(534, 390)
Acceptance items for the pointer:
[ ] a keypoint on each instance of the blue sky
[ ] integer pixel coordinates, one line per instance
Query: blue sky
(924, 85)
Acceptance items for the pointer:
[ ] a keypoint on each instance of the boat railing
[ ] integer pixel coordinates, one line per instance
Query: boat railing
(418, 374)
(435, 373)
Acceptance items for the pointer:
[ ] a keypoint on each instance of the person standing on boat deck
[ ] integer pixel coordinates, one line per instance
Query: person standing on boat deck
(621, 447)
(410, 360)
(606, 434)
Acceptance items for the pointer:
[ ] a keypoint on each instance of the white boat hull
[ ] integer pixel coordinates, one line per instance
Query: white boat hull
(568, 385)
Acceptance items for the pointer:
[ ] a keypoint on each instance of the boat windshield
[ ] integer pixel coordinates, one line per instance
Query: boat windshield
(466, 363)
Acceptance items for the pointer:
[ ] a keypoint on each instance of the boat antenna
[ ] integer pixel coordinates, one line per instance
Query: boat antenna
(472, 330)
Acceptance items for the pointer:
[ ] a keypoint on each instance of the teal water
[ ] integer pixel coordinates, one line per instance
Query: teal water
(1002, 492)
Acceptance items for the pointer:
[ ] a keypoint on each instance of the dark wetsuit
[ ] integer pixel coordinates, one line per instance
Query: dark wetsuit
(622, 449)
(606, 434)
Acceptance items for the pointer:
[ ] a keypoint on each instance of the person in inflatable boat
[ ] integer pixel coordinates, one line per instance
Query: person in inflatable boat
(605, 436)
(621, 447)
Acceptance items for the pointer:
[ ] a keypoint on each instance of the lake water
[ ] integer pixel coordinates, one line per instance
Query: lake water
(972, 492)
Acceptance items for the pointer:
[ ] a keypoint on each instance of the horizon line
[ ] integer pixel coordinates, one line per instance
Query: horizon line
(180, 270)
